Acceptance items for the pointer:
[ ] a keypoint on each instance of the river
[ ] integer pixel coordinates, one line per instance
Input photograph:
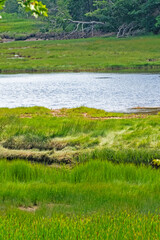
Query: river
(108, 91)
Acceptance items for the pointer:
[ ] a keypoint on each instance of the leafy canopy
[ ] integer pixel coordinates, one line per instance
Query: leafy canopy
(34, 6)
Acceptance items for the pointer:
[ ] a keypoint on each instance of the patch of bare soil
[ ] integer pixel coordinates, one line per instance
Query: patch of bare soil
(28, 209)
(146, 110)
(26, 116)
(124, 117)
(57, 113)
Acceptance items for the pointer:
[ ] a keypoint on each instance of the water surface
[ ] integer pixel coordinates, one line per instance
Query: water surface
(111, 92)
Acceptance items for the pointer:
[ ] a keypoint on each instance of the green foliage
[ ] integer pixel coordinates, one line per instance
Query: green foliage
(58, 15)
(129, 14)
(35, 7)
(124, 17)
(11, 6)
(2, 2)
(158, 21)
(78, 8)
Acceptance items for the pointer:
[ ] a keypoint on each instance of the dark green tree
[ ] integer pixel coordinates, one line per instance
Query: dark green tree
(11, 6)
(126, 16)
(78, 8)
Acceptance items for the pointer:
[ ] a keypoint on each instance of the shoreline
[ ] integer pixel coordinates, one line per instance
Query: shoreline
(142, 69)
(133, 112)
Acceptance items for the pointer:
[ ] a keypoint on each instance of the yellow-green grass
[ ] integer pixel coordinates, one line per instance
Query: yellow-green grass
(119, 226)
(95, 200)
(139, 54)
(71, 135)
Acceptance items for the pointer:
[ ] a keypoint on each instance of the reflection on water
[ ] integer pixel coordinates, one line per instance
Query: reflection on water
(112, 92)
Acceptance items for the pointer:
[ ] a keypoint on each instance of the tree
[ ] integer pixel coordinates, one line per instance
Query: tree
(147, 14)
(78, 8)
(127, 16)
(37, 8)
(11, 6)
(58, 13)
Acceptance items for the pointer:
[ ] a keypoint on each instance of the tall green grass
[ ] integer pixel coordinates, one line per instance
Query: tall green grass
(90, 172)
(136, 156)
(95, 186)
(94, 200)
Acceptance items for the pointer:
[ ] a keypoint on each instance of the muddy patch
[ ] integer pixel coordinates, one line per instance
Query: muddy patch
(28, 209)
(125, 117)
(26, 116)
(137, 115)
(145, 110)
(57, 113)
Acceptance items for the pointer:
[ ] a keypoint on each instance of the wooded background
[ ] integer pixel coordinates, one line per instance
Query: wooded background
(123, 17)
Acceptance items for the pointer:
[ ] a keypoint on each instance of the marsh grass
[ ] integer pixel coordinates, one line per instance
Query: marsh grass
(87, 187)
(123, 225)
(140, 54)
(95, 200)
(30, 133)
(109, 190)
(136, 156)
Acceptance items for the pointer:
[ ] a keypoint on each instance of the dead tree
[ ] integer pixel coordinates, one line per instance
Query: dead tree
(82, 23)
(125, 29)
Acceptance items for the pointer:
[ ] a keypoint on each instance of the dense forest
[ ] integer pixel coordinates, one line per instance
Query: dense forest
(123, 17)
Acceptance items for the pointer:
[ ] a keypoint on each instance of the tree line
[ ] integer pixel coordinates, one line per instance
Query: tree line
(123, 17)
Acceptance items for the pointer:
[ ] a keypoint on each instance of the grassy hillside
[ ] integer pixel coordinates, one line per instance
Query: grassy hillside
(139, 54)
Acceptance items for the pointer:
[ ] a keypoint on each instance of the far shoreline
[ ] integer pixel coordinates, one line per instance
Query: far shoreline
(133, 70)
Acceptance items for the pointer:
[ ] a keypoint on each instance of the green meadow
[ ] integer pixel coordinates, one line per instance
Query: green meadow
(78, 174)
(138, 54)
(15, 26)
